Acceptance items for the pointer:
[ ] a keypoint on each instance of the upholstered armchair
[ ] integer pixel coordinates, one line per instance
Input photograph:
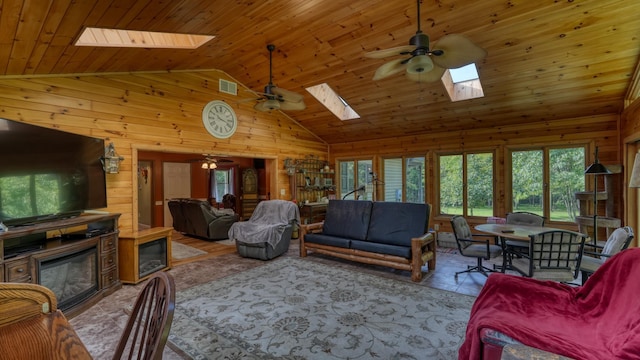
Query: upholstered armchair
(551, 320)
(267, 234)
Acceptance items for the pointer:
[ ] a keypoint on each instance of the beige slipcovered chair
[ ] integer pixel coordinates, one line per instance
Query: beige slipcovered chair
(470, 245)
(595, 255)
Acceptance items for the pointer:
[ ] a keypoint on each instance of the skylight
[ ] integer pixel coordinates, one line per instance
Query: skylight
(463, 83)
(465, 73)
(332, 101)
(140, 39)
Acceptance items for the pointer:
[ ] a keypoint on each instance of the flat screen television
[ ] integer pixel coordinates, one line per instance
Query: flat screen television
(46, 174)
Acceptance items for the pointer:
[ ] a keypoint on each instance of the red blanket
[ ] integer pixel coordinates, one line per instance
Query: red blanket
(600, 320)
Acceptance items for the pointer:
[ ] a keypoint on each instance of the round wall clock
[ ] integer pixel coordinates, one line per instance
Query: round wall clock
(219, 119)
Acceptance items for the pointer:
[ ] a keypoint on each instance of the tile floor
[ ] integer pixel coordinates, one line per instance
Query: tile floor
(100, 326)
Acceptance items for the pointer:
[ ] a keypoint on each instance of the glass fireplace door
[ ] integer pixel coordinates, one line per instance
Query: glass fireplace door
(152, 256)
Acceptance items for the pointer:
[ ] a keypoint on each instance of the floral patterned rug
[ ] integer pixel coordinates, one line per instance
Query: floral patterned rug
(292, 308)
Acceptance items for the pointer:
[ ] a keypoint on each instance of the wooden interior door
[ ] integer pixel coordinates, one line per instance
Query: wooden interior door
(176, 184)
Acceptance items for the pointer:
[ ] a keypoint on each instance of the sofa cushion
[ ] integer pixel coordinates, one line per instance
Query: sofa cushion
(380, 248)
(328, 240)
(347, 218)
(396, 223)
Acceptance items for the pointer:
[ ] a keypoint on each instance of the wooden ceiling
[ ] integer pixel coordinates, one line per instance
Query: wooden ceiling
(547, 60)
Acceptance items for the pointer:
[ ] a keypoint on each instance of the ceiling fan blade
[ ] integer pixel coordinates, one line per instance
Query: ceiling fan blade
(287, 95)
(390, 68)
(427, 76)
(457, 51)
(292, 106)
(405, 49)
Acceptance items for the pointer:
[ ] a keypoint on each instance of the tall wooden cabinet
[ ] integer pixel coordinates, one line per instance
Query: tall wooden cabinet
(249, 199)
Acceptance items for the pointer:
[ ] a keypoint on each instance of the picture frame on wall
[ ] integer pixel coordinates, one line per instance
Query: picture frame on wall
(328, 182)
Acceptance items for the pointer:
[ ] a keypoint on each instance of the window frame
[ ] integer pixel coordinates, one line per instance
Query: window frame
(546, 174)
(403, 167)
(464, 154)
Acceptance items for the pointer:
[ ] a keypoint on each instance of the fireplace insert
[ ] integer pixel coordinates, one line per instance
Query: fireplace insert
(152, 256)
(72, 278)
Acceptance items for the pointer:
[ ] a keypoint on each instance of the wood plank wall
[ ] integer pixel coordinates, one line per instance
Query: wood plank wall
(155, 111)
(630, 143)
(602, 131)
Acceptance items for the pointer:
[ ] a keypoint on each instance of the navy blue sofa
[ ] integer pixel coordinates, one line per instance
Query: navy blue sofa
(382, 233)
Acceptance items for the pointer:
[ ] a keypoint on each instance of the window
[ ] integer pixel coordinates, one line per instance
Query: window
(351, 180)
(544, 181)
(415, 180)
(466, 184)
(221, 183)
(404, 179)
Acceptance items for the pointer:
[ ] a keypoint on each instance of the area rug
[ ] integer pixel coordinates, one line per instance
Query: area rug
(292, 308)
(181, 251)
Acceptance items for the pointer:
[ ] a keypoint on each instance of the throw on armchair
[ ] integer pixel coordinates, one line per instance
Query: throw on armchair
(599, 320)
(197, 218)
(267, 233)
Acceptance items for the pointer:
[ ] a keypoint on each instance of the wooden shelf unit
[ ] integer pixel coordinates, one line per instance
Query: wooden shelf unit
(23, 267)
(129, 252)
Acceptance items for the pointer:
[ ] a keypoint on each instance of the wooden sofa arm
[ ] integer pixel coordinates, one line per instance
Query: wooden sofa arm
(423, 250)
(308, 229)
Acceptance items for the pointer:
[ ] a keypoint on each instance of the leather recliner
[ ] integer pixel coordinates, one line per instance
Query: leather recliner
(197, 218)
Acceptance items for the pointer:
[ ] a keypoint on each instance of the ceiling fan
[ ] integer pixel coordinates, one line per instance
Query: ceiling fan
(428, 64)
(275, 98)
(210, 162)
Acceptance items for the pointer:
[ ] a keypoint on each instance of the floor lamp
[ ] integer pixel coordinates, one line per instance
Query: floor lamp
(596, 169)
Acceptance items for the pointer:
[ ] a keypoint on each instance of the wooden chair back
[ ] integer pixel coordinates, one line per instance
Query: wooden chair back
(19, 301)
(147, 329)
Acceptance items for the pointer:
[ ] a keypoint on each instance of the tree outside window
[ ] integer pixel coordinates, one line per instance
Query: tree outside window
(544, 181)
(466, 184)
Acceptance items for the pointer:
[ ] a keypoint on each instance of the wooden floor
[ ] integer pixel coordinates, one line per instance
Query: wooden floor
(213, 248)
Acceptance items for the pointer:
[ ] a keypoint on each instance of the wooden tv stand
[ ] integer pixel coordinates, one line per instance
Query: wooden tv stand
(62, 238)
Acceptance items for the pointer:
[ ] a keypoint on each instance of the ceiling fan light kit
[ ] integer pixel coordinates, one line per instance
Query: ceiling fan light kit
(420, 63)
(428, 63)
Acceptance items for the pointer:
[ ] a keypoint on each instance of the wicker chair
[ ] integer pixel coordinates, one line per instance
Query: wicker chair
(147, 329)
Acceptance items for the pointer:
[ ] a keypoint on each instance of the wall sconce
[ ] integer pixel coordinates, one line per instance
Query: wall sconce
(111, 160)
(634, 181)
(209, 166)
(290, 166)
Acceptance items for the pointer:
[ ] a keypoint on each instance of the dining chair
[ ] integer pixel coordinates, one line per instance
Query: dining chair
(552, 255)
(470, 245)
(147, 329)
(19, 301)
(596, 255)
(521, 218)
